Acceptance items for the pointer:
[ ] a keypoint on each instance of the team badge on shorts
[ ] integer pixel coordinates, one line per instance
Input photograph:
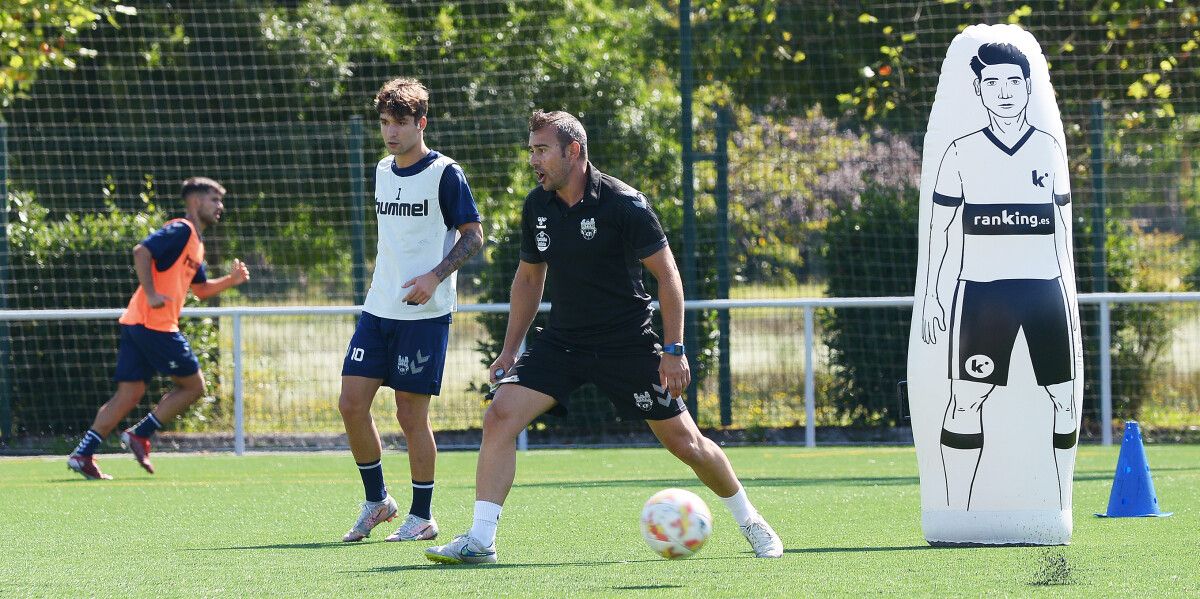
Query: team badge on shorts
(587, 228)
(543, 241)
(643, 401)
(405, 366)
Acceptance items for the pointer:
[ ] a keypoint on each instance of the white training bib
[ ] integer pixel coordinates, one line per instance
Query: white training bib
(413, 239)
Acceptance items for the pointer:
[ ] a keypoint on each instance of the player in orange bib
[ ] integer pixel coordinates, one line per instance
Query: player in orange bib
(168, 263)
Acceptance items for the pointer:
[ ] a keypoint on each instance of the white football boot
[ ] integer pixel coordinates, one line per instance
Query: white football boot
(762, 538)
(415, 528)
(373, 513)
(464, 549)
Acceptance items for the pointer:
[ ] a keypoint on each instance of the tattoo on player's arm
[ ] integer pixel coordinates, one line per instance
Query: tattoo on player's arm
(464, 248)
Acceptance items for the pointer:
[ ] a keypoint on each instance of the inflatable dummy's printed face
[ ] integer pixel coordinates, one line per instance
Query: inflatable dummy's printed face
(1004, 90)
(1002, 79)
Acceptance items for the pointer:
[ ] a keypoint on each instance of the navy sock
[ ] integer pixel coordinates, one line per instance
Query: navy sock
(89, 443)
(422, 497)
(372, 477)
(148, 426)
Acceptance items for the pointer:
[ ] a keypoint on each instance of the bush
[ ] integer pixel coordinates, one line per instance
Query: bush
(1140, 261)
(788, 176)
(871, 251)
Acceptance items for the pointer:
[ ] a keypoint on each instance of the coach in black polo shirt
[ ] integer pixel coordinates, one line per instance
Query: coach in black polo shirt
(590, 234)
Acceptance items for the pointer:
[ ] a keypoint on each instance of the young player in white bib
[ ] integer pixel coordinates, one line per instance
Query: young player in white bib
(428, 227)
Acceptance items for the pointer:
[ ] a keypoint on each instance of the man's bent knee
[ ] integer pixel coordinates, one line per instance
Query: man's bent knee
(352, 405)
(192, 385)
(513, 409)
(500, 416)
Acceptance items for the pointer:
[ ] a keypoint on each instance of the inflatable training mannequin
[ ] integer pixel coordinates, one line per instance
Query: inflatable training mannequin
(995, 360)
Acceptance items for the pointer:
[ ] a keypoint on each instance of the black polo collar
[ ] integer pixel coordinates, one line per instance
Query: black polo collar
(591, 193)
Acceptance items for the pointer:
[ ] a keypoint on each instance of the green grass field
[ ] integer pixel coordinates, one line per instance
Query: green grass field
(269, 524)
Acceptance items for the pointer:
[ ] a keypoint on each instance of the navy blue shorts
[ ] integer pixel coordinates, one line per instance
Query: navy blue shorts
(984, 324)
(409, 355)
(145, 351)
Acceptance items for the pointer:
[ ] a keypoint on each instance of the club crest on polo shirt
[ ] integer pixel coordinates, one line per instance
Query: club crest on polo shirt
(587, 228)
(543, 241)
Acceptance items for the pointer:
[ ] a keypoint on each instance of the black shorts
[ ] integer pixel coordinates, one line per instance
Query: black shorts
(630, 380)
(984, 324)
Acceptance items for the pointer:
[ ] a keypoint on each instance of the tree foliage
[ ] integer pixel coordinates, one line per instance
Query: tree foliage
(45, 35)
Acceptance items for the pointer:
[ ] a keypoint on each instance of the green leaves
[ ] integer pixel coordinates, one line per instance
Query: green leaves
(42, 35)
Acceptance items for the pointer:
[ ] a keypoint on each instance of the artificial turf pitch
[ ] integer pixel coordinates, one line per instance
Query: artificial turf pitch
(270, 524)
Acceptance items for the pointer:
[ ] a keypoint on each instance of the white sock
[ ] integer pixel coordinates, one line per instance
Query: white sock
(487, 517)
(739, 505)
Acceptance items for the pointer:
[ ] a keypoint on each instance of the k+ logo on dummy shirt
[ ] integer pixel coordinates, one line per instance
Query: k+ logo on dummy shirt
(979, 366)
(543, 241)
(1038, 180)
(587, 228)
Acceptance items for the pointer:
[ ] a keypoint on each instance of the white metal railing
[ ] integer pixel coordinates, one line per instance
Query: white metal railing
(808, 305)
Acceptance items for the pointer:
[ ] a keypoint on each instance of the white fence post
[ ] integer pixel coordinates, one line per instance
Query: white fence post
(1106, 412)
(810, 377)
(239, 425)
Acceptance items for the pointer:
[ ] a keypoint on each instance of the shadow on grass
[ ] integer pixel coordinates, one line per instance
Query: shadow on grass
(850, 481)
(1107, 473)
(846, 481)
(802, 550)
(433, 566)
(321, 545)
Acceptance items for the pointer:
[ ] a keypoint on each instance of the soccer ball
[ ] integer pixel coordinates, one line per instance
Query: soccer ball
(676, 523)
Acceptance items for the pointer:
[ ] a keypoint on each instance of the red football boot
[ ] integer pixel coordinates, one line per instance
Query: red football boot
(140, 446)
(86, 465)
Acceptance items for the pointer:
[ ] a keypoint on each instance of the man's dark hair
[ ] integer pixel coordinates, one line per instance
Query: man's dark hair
(200, 185)
(567, 128)
(991, 54)
(403, 97)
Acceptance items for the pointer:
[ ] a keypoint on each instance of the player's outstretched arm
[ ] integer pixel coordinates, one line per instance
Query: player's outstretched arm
(420, 289)
(673, 371)
(526, 295)
(238, 274)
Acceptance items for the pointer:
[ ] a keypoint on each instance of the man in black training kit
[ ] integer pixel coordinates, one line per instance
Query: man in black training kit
(590, 234)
